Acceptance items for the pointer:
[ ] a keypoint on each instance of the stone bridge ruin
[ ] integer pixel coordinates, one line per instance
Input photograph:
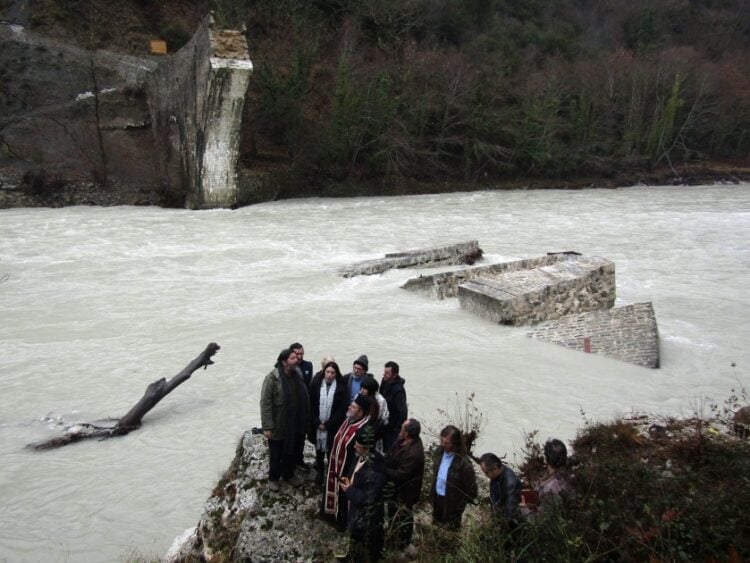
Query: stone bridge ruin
(568, 298)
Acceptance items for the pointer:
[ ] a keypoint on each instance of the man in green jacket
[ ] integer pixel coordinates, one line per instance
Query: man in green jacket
(284, 414)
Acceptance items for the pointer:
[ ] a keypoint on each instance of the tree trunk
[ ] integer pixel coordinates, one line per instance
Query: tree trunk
(155, 392)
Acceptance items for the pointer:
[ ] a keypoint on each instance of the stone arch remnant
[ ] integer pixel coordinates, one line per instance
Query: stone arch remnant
(196, 99)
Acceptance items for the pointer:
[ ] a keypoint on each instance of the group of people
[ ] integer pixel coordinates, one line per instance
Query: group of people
(369, 455)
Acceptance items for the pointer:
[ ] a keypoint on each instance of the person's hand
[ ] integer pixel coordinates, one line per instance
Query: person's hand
(345, 483)
(267, 434)
(322, 426)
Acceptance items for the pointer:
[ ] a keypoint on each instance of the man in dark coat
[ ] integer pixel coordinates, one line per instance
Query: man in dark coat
(392, 388)
(342, 459)
(505, 488)
(454, 484)
(364, 491)
(306, 371)
(404, 467)
(284, 415)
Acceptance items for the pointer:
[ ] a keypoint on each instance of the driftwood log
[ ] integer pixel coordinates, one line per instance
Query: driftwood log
(155, 392)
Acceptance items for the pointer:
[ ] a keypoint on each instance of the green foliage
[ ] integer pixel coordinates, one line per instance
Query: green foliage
(675, 491)
(282, 93)
(661, 136)
(473, 91)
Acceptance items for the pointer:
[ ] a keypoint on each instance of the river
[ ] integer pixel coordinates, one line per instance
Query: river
(99, 302)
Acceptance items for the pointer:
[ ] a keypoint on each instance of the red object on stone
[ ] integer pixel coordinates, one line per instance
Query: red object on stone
(587, 344)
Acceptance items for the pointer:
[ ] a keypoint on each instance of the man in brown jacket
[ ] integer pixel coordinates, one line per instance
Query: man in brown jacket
(404, 467)
(455, 483)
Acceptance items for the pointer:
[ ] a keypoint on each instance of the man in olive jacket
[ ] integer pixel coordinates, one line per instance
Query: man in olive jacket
(454, 484)
(284, 417)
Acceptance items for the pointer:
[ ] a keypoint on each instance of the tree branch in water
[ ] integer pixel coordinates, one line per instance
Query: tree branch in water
(155, 392)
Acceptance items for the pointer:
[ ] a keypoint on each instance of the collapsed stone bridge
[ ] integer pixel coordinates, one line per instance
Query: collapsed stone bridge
(569, 298)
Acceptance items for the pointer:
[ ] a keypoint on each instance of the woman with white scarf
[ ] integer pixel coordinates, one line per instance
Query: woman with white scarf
(328, 403)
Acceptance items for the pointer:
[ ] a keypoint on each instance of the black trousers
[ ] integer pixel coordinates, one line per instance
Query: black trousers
(279, 464)
(440, 514)
(401, 526)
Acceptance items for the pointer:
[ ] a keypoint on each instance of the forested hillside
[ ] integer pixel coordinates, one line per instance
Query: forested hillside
(385, 92)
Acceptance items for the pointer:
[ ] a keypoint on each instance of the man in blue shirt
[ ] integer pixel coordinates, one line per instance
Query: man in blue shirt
(358, 374)
(455, 483)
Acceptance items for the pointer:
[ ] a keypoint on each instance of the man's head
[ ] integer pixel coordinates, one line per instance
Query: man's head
(358, 408)
(491, 465)
(360, 365)
(325, 361)
(410, 430)
(299, 350)
(555, 453)
(287, 359)
(390, 371)
(451, 439)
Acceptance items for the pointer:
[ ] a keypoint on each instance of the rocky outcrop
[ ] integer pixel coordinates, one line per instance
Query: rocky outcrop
(244, 521)
(461, 253)
(625, 333)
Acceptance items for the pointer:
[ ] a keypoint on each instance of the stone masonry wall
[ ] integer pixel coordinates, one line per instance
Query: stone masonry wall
(626, 333)
(460, 253)
(443, 285)
(196, 99)
(530, 296)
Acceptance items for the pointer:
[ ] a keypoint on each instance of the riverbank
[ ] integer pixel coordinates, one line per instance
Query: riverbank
(41, 190)
(642, 488)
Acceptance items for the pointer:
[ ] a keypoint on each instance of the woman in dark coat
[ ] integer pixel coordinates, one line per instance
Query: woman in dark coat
(328, 403)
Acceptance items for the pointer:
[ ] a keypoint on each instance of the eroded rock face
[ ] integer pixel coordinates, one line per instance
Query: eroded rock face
(244, 521)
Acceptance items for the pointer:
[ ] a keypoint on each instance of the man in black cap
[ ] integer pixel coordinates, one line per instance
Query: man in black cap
(342, 459)
(358, 374)
(364, 491)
